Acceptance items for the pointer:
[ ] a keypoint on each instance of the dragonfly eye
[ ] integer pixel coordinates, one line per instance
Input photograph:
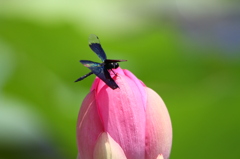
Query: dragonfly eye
(115, 65)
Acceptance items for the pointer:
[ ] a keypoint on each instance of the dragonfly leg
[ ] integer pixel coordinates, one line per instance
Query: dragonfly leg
(114, 72)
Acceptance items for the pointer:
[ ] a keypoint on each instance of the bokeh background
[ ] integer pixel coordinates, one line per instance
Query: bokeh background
(187, 51)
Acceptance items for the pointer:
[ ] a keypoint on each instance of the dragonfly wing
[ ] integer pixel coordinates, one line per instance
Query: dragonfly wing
(89, 64)
(110, 61)
(81, 78)
(108, 79)
(95, 45)
(95, 67)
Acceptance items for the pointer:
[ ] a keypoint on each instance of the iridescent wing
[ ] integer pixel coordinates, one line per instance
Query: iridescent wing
(95, 45)
(89, 64)
(99, 70)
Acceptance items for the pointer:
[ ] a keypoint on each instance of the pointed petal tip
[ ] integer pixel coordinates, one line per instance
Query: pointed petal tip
(107, 148)
(160, 156)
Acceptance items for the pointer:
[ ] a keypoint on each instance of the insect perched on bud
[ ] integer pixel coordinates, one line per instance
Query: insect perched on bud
(100, 69)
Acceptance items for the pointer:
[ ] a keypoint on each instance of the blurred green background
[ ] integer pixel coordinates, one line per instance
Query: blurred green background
(187, 51)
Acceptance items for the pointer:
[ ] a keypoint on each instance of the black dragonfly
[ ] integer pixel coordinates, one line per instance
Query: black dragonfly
(100, 69)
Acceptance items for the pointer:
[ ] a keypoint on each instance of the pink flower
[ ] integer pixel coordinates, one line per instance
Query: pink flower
(130, 122)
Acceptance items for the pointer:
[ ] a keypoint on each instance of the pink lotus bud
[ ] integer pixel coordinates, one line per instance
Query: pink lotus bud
(130, 122)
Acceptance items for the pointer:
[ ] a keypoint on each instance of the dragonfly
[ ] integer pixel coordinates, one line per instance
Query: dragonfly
(100, 69)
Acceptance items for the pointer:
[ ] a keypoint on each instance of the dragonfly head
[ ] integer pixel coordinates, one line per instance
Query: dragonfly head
(112, 65)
